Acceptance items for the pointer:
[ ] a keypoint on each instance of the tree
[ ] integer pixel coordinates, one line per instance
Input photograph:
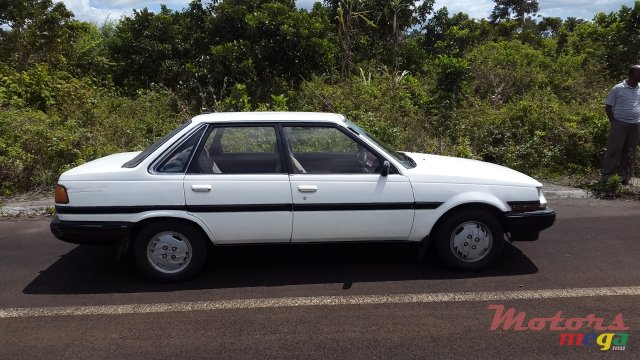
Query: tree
(549, 27)
(373, 29)
(33, 31)
(620, 38)
(146, 49)
(514, 9)
(276, 43)
(87, 54)
(452, 36)
(347, 17)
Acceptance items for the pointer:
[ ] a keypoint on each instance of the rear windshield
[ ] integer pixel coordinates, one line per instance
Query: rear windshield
(148, 151)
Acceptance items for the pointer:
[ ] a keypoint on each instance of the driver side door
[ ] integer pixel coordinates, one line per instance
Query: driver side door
(338, 191)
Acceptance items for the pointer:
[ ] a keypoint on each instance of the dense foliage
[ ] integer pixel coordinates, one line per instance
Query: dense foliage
(515, 89)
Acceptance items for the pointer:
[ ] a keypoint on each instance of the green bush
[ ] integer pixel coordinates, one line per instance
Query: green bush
(610, 190)
(386, 105)
(538, 134)
(503, 71)
(35, 147)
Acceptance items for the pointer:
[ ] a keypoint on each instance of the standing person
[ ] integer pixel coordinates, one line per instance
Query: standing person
(623, 109)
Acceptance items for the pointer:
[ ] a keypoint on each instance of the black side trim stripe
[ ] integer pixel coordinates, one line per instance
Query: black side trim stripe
(247, 208)
(366, 206)
(238, 208)
(427, 205)
(348, 207)
(191, 208)
(114, 209)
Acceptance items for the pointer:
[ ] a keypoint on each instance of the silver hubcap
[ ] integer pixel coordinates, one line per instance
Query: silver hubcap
(169, 252)
(471, 241)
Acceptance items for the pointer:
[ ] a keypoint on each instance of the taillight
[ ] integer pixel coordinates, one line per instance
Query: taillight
(61, 195)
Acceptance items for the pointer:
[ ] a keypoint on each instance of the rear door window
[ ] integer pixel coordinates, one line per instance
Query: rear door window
(239, 150)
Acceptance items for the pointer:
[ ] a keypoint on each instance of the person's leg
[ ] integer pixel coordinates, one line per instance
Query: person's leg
(615, 145)
(628, 156)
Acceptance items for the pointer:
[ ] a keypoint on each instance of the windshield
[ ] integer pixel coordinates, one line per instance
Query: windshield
(400, 157)
(153, 147)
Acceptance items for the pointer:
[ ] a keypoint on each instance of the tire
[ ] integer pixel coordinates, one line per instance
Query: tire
(469, 240)
(170, 251)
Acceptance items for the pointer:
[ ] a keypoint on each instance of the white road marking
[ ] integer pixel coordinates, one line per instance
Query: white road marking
(318, 301)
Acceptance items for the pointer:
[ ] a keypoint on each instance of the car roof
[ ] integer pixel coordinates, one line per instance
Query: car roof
(270, 116)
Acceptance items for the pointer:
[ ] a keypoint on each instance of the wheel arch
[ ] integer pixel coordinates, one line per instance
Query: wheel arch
(196, 223)
(490, 208)
(426, 221)
(495, 211)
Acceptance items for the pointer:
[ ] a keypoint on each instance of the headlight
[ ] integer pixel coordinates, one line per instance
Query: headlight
(543, 200)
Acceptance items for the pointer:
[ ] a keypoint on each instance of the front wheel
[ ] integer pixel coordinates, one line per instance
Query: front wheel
(170, 251)
(469, 240)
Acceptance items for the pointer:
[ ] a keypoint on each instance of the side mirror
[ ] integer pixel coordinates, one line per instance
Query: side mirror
(384, 171)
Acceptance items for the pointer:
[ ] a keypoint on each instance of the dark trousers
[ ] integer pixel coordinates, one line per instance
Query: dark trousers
(621, 150)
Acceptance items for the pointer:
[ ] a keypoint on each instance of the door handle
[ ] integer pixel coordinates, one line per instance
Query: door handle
(201, 188)
(307, 188)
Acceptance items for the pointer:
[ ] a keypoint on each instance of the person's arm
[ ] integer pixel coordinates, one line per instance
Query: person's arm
(610, 102)
(609, 110)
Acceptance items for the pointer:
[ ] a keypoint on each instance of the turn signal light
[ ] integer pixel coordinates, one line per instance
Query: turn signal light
(61, 195)
(527, 206)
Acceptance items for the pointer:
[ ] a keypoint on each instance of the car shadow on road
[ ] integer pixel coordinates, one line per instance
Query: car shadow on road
(93, 270)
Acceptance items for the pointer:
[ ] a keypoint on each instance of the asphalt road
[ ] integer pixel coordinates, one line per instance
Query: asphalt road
(59, 300)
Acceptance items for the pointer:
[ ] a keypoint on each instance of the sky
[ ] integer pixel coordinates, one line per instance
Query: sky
(98, 11)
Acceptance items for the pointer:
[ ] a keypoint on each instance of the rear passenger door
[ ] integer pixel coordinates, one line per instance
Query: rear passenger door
(238, 185)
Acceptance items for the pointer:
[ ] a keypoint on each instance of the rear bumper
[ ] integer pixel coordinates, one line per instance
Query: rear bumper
(90, 232)
(526, 226)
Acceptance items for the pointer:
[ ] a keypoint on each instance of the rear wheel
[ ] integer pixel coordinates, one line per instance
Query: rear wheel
(170, 251)
(469, 240)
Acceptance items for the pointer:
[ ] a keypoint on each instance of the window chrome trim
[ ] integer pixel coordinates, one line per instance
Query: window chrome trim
(152, 169)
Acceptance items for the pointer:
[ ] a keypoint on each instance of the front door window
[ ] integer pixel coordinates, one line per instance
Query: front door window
(327, 150)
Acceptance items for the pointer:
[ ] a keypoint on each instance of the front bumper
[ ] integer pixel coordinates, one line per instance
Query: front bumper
(90, 232)
(526, 226)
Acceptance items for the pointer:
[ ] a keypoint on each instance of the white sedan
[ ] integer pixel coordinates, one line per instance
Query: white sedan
(237, 178)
